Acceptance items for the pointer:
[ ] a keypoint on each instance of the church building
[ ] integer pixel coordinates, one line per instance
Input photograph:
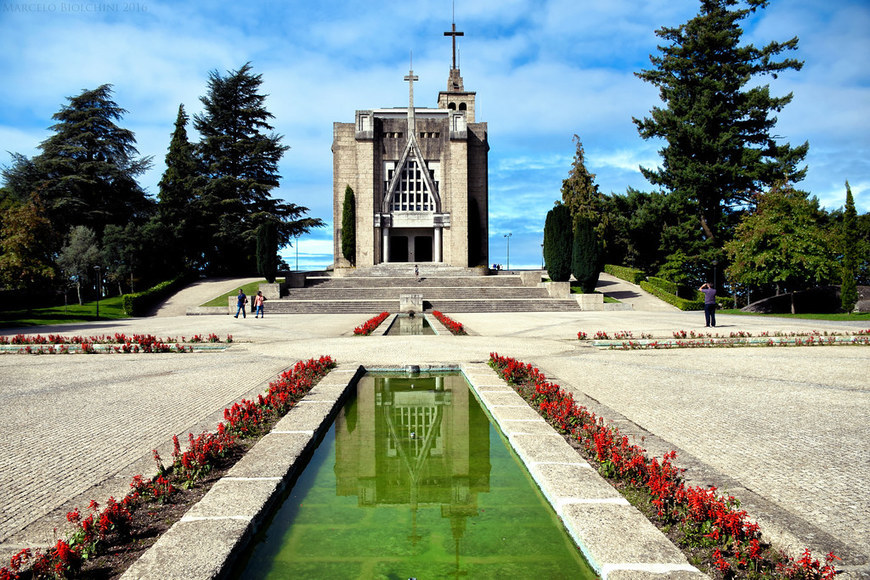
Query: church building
(419, 178)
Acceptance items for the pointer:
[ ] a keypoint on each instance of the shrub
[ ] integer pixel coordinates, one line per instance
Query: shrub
(139, 303)
(672, 299)
(632, 275)
(665, 285)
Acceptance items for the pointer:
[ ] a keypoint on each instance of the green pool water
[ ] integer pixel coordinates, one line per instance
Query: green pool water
(413, 481)
(405, 325)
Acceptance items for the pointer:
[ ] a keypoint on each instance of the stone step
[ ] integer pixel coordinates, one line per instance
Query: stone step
(407, 269)
(436, 292)
(445, 305)
(424, 281)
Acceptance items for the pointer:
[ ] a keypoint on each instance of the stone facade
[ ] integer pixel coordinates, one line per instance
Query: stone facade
(420, 181)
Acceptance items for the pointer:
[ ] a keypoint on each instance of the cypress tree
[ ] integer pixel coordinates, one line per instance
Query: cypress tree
(558, 240)
(267, 251)
(848, 286)
(348, 226)
(176, 200)
(586, 256)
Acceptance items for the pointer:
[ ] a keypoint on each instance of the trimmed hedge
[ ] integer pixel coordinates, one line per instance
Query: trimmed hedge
(666, 285)
(672, 299)
(139, 303)
(632, 275)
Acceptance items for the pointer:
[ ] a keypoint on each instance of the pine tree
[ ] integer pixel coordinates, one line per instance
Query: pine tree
(558, 243)
(579, 192)
(88, 168)
(581, 196)
(348, 226)
(719, 149)
(849, 266)
(240, 154)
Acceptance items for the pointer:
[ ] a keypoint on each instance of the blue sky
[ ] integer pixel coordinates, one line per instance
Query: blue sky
(542, 70)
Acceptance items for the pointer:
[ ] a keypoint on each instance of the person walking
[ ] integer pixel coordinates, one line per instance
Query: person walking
(259, 299)
(709, 304)
(241, 300)
(416, 273)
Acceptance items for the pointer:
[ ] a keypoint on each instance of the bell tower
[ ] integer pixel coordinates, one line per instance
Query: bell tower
(456, 98)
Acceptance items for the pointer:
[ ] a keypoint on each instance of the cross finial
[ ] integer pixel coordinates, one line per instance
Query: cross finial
(454, 34)
(411, 77)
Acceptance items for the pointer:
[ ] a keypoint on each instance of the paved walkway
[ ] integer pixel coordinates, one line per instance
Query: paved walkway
(782, 428)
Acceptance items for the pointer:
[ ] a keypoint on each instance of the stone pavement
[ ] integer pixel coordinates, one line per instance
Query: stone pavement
(784, 429)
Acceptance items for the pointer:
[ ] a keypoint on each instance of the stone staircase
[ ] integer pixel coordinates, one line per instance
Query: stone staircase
(447, 289)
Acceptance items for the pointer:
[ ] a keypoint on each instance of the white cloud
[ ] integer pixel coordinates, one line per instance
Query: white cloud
(543, 71)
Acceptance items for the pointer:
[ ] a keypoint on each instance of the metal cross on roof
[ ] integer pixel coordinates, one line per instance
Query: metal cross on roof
(454, 34)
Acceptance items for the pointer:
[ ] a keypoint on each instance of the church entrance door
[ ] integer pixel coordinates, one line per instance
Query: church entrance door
(398, 248)
(423, 248)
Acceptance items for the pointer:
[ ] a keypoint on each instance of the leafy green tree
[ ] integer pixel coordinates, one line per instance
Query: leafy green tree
(348, 226)
(240, 154)
(558, 242)
(27, 245)
(849, 243)
(177, 206)
(586, 254)
(80, 254)
(782, 243)
(88, 168)
(122, 251)
(267, 251)
(717, 124)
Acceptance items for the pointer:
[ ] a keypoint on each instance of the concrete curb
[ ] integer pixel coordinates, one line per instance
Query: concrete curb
(616, 539)
(210, 536)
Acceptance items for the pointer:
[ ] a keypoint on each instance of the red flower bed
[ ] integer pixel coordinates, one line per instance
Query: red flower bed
(92, 532)
(452, 325)
(704, 518)
(370, 325)
(118, 343)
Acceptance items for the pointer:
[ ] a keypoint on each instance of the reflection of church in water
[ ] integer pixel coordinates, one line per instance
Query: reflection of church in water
(420, 442)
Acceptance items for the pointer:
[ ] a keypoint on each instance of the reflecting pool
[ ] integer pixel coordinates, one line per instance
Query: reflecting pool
(410, 325)
(413, 481)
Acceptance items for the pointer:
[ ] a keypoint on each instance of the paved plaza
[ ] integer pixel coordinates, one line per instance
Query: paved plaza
(783, 429)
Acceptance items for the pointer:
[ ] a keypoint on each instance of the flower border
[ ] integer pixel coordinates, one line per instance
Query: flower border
(703, 517)
(91, 533)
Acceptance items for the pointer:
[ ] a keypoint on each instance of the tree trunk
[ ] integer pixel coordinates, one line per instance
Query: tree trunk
(79, 292)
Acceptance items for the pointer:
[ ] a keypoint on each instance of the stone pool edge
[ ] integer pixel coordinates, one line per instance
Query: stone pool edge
(616, 539)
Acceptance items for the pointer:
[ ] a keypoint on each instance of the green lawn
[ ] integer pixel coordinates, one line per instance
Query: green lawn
(110, 309)
(250, 289)
(845, 317)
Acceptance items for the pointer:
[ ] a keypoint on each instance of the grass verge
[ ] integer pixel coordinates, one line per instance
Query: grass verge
(839, 316)
(250, 289)
(110, 309)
